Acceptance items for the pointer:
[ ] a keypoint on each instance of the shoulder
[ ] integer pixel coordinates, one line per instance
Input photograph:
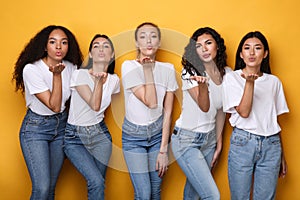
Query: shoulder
(165, 64)
(32, 67)
(69, 66)
(273, 78)
(232, 76)
(114, 77)
(129, 63)
(227, 69)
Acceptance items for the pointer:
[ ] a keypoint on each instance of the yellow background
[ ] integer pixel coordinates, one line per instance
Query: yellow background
(21, 20)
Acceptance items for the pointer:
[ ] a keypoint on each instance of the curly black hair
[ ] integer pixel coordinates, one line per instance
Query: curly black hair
(190, 59)
(35, 50)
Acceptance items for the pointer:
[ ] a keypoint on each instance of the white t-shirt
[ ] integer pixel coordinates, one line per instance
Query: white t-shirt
(80, 113)
(268, 102)
(132, 75)
(37, 78)
(192, 118)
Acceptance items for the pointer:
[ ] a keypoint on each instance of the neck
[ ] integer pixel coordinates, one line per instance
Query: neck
(211, 67)
(252, 70)
(50, 62)
(141, 57)
(99, 67)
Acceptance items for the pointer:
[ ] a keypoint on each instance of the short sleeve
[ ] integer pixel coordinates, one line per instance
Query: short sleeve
(281, 104)
(132, 75)
(79, 77)
(232, 91)
(33, 80)
(172, 83)
(117, 85)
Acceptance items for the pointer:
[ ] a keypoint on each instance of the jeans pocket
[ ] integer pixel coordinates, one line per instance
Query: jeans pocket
(239, 139)
(186, 140)
(129, 129)
(274, 140)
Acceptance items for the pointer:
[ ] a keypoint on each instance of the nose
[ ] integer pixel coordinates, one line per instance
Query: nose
(252, 51)
(204, 48)
(149, 40)
(58, 46)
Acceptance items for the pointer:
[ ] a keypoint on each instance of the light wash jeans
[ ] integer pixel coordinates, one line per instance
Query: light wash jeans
(141, 145)
(41, 139)
(89, 149)
(193, 152)
(253, 157)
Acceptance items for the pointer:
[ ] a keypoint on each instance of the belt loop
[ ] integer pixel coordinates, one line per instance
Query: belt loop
(175, 131)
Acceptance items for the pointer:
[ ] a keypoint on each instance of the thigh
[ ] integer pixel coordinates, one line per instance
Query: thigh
(101, 145)
(36, 155)
(83, 161)
(267, 169)
(193, 164)
(241, 160)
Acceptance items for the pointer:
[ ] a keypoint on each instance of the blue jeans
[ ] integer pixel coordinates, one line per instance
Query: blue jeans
(89, 149)
(253, 157)
(41, 139)
(193, 152)
(141, 145)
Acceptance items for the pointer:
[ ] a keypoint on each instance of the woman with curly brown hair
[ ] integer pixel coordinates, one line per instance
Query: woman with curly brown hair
(197, 137)
(43, 71)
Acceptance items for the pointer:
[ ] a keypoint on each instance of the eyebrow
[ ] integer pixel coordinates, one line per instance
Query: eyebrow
(254, 44)
(99, 43)
(53, 38)
(150, 32)
(204, 41)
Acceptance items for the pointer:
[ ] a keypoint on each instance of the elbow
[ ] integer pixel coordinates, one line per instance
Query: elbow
(56, 110)
(204, 107)
(244, 115)
(151, 104)
(96, 108)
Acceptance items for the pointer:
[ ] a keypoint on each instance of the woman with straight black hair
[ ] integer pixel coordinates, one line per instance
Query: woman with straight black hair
(254, 98)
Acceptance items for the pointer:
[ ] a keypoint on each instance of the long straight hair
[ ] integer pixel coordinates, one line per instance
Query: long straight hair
(265, 64)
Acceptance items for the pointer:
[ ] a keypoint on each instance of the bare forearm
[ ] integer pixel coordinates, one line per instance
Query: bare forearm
(56, 94)
(245, 106)
(203, 97)
(96, 96)
(150, 90)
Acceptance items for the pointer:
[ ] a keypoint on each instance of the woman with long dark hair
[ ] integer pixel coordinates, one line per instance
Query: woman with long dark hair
(43, 71)
(254, 98)
(197, 136)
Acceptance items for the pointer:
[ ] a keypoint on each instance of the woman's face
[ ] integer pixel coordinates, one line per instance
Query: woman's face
(57, 46)
(101, 51)
(253, 52)
(206, 48)
(147, 41)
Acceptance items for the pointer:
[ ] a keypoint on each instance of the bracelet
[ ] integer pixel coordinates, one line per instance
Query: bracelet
(161, 152)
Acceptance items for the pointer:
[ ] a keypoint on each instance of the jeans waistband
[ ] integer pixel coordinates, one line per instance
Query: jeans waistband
(29, 111)
(177, 130)
(255, 135)
(155, 124)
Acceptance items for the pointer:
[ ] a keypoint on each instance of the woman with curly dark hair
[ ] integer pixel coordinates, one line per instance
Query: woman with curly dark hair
(43, 71)
(197, 137)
